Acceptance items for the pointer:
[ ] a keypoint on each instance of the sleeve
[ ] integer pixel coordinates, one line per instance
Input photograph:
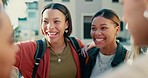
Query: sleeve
(26, 52)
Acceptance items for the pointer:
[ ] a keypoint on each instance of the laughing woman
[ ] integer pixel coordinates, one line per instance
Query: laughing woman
(108, 52)
(60, 58)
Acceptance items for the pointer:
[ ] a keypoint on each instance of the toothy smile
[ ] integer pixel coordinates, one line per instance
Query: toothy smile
(52, 34)
(99, 39)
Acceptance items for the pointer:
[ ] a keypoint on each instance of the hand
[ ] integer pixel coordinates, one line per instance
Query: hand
(86, 48)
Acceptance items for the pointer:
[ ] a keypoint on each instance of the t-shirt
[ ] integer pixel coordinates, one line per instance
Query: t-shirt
(103, 63)
(66, 68)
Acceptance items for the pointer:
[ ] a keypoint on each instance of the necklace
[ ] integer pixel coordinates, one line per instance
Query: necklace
(102, 61)
(59, 59)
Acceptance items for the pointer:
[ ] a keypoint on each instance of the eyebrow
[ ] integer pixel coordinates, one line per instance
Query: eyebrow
(53, 18)
(103, 24)
(56, 18)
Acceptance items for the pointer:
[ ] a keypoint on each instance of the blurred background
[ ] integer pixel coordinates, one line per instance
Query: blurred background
(25, 17)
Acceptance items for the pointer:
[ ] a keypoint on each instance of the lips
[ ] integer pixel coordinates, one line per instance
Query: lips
(99, 42)
(99, 39)
(52, 35)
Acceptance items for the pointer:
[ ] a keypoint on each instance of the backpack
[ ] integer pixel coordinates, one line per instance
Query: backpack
(41, 47)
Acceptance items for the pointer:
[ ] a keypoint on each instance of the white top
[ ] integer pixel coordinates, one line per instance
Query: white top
(103, 63)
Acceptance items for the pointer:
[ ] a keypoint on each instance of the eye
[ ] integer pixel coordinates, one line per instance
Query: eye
(104, 28)
(44, 21)
(93, 28)
(56, 21)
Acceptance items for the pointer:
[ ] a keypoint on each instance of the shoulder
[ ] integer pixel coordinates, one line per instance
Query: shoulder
(93, 51)
(78, 40)
(27, 44)
(26, 48)
(121, 48)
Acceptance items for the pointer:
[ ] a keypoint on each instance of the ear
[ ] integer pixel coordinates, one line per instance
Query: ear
(118, 29)
(66, 24)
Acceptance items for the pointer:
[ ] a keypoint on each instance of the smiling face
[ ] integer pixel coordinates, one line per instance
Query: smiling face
(54, 25)
(7, 47)
(103, 32)
(137, 24)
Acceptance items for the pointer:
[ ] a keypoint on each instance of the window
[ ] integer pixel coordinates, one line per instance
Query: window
(22, 19)
(89, 0)
(48, 0)
(65, 0)
(115, 0)
(87, 27)
(33, 5)
(31, 14)
(36, 32)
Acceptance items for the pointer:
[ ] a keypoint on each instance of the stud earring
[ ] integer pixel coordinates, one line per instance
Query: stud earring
(66, 31)
(145, 14)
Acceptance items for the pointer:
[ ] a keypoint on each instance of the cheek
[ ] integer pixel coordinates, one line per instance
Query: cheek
(111, 34)
(6, 62)
(125, 11)
(7, 55)
(92, 34)
(128, 12)
(43, 29)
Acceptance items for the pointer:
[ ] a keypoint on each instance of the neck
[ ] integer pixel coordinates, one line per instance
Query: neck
(58, 46)
(109, 49)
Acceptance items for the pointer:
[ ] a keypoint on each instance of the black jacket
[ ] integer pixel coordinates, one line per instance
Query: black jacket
(92, 54)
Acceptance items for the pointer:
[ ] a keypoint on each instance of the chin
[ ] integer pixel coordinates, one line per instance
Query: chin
(99, 46)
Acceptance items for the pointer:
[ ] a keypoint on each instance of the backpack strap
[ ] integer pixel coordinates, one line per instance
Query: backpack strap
(41, 47)
(75, 44)
(77, 47)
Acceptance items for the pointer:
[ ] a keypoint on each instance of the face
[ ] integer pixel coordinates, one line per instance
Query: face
(7, 47)
(103, 32)
(54, 25)
(137, 24)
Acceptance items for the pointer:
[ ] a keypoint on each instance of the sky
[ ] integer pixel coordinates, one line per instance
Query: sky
(15, 9)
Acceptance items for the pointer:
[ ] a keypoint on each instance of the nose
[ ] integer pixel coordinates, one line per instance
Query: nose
(98, 33)
(50, 26)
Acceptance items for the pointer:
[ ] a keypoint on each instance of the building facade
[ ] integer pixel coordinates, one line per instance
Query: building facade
(28, 26)
(82, 12)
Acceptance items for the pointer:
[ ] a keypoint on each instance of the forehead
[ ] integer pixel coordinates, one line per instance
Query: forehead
(100, 19)
(52, 12)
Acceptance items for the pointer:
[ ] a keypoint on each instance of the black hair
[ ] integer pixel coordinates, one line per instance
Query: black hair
(65, 11)
(108, 14)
